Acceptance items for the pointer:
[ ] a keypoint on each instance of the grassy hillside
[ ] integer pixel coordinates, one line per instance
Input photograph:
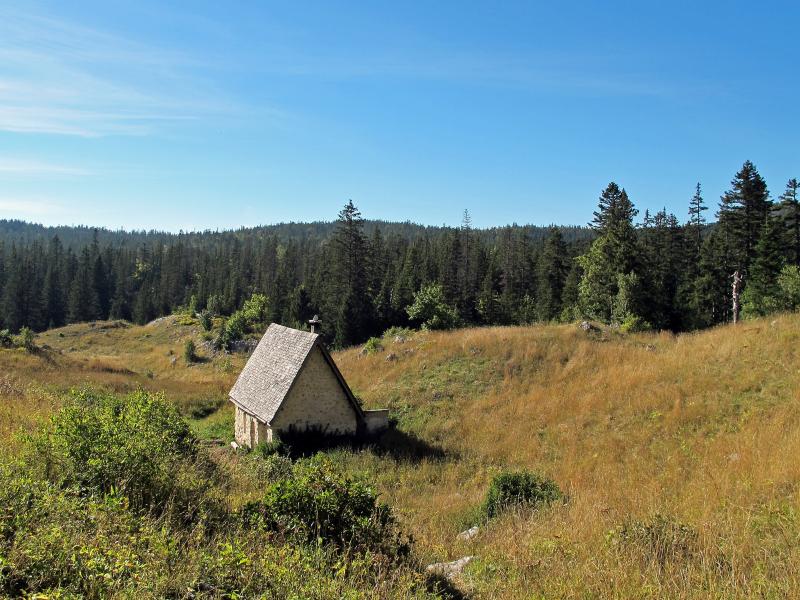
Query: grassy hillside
(677, 454)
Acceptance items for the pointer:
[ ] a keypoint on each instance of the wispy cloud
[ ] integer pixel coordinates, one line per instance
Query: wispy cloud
(22, 167)
(29, 207)
(59, 77)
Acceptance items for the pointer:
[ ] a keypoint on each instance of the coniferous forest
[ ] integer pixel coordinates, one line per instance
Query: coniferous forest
(640, 271)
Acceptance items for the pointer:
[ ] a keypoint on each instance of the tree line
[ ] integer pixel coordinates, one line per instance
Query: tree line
(363, 277)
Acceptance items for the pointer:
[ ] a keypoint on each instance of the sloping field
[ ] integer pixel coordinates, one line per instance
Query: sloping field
(677, 454)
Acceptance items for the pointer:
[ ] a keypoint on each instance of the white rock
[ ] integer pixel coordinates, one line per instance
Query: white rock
(468, 534)
(234, 445)
(450, 569)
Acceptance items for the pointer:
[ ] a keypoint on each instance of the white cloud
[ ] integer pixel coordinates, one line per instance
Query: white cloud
(58, 77)
(18, 167)
(29, 207)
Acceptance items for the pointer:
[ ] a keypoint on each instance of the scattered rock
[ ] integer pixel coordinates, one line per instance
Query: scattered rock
(244, 346)
(450, 569)
(399, 339)
(391, 356)
(234, 445)
(586, 326)
(468, 534)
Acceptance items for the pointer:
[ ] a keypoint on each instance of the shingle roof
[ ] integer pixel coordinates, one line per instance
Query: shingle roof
(271, 370)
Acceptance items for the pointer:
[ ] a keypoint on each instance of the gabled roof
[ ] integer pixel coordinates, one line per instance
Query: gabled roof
(270, 372)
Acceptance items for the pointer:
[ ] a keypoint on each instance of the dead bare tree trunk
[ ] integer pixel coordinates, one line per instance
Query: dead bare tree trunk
(737, 288)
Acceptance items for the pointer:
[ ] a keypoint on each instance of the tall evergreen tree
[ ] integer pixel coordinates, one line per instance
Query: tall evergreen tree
(761, 294)
(790, 212)
(696, 220)
(742, 213)
(53, 294)
(553, 268)
(353, 308)
(615, 252)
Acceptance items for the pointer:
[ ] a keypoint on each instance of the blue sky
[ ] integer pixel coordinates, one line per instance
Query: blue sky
(199, 115)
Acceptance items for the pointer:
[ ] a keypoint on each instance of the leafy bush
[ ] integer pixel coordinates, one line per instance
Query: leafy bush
(255, 309)
(634, 324)
(24, 339)
(190, 352)
(6, 341)
(214, 304)
(431, 309)
(56, 539)
(276, 446)
(395, 331)
(372, 346)
(320, 504)
(205, 319)
(520, 488)
(135, 446)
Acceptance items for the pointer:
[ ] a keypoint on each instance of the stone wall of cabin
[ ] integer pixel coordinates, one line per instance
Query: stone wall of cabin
(317, 400)
(249, 431)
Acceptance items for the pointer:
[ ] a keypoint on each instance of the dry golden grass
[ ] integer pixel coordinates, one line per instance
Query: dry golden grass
(702, 428)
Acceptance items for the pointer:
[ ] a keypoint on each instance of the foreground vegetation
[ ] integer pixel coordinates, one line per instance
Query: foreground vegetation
(664, 467)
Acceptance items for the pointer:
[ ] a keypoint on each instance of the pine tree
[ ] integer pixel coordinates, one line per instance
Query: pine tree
(616, 252)
(354, 310)
(742, 213)
(553, 268)
(54, 298)
(615, 210)
(696, 219)
(761, 294)
(83, 304)
(790, 211)
(13, 299)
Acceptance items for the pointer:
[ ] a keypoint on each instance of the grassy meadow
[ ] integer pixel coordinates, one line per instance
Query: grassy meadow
(677, 455)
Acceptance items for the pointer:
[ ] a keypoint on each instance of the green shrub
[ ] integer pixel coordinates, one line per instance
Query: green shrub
(56, 539)
(431, 309)
(634, 324)
(135, 446)
(190, 352)
(520, 488)
(394, 332)
(24, 339)
(317, 503)
(6, 341)
(255, 309)
(206, 322)
(372, 346)
(276, 446)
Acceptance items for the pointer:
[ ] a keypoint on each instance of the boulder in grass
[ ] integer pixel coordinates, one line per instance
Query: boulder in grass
(468, 534)
(449, 569)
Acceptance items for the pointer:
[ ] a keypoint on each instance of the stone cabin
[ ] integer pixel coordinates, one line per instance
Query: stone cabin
(290, 383)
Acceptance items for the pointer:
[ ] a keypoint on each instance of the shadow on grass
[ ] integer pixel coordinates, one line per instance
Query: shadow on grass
(395, 443)
(443, 587)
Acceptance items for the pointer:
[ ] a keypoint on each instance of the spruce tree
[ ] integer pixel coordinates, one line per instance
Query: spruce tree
(790, 212)
(353, 306)
(761, 294)
(615, 252)
(742, 213)
(696, 220)
(553, 268)
(54, 298)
